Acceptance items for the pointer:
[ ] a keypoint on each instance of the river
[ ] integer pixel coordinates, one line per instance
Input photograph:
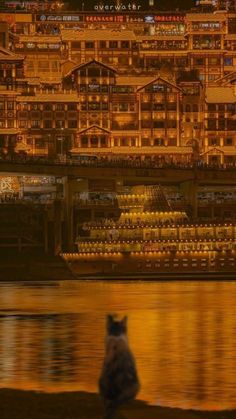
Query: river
(183, 335)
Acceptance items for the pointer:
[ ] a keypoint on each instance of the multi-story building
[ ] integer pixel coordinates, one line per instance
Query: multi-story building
(11, 73)
(202, 41)
(220, 121)
(158, 85)
(98, 110)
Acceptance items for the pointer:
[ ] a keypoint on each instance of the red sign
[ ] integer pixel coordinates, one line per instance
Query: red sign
(106, 18)
(169, 18)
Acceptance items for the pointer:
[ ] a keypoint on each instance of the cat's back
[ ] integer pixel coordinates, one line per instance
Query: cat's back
(119, 377)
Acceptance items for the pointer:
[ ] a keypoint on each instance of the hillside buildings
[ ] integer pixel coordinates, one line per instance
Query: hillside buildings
(159, 86)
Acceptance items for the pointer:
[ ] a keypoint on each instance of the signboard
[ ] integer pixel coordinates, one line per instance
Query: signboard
(9, 185)
(112, 17)
(104, 18)
(59, 18)
(5, 17)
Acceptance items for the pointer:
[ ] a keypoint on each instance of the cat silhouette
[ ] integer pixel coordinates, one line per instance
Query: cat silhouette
(119, 381)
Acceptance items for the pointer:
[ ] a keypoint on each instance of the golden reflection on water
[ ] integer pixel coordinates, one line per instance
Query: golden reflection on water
(183, 335)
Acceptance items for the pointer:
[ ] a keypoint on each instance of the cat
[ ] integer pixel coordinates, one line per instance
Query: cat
(119, 381)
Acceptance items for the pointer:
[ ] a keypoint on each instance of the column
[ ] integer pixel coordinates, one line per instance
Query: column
(111, 141)
(68, 205)
(190, 190)
(57, 215)
(45, 231)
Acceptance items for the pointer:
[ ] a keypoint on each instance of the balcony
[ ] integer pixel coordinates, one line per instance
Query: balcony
(124, 127)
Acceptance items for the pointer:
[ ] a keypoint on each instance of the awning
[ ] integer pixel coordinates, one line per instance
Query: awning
(154, 151)
(10, 131)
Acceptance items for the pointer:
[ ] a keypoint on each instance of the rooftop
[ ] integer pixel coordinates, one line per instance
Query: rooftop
(97, 35)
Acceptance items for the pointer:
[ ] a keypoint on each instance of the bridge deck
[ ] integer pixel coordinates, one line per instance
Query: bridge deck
(141, 174)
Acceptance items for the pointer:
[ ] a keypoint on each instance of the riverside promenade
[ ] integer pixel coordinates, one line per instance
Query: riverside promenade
(80, 405)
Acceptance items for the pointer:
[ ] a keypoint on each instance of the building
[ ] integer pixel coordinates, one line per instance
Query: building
(128, 84)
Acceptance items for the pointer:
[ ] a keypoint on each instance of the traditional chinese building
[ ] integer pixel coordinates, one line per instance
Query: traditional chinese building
(127, 83)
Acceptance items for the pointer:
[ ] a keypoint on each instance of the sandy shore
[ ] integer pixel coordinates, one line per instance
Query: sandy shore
(15, 404)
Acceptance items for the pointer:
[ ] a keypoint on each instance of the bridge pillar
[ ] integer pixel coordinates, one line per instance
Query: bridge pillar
(190, 190)
(57, 218)
(69, 214)
(45, 231)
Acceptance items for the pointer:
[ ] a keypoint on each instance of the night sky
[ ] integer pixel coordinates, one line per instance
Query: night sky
(159, 4)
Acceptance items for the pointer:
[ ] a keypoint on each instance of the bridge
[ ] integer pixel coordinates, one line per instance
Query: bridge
(123, 170)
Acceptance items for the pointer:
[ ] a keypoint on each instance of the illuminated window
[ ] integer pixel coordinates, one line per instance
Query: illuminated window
(23, 124)
(228, 141)
(40, 144)
(158, 141)
(60, 106)
(145, 142)
(72, 123)
(103, 141)
(75, 45)
(47, 124)
(72, 107)
(60, 124)
(94, 141)
(35, 124)
(35, 106)
(172, 142)
(124, 142)
(113, 44)
(228, 61)
(47, 107)
(84, 141)
(124, 44)
(188, 108)
(89, 45)
(10, 106)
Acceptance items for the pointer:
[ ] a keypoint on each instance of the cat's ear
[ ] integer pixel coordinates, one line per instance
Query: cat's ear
(125, 321)
(109, 319)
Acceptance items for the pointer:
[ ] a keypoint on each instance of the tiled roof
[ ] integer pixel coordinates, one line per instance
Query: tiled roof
(9, 131)
(66, 66)
(42, 39)
(162, 79)
(226, 79)
(50, 97)
(50, 80)
(9, 93)
(141, 38)
(97, 35)
(5, 54)
(81, 65)
(137, 81)
(220, 95)
(94, 127)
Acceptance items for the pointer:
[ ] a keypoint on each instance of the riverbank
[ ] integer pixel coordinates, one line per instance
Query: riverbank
(33, 266)
(162, 276)
(38, 266)
(17, 404)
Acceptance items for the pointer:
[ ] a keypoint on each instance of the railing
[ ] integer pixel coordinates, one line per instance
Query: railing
(116, 161)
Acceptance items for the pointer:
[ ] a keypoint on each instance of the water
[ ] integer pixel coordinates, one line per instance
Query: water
(183, 335)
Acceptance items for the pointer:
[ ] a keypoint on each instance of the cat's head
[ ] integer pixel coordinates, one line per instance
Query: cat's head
(116, 327)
